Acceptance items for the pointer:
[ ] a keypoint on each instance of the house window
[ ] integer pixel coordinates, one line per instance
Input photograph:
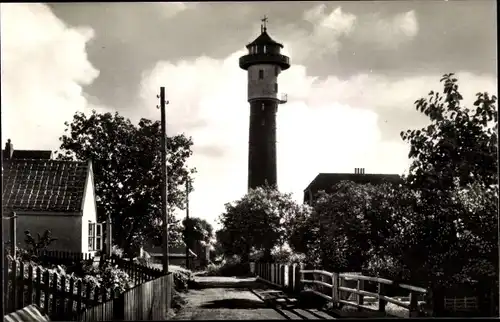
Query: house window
(265, 49)
(276, 87)
(95, 237)
(261, 74)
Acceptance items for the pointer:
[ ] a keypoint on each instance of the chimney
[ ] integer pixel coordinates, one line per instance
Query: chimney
(9, 150)
(362, 170)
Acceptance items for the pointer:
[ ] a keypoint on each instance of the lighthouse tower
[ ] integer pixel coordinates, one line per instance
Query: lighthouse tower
(264, 63)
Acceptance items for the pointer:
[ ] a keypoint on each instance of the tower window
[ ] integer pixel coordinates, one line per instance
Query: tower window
(261, 74)
(276, 87)
(276, 70)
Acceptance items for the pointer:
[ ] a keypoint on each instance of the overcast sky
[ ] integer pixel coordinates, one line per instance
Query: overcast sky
(357, 68)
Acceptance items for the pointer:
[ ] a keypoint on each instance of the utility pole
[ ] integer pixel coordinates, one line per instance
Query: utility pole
(164, 178)
(188, 225)
(498, 229)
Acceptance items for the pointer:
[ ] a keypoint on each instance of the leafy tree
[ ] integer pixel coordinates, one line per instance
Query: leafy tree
(454, 168)
(347, 226)
(197, 230)
(126, 160)
(259, 220)
(459, 146)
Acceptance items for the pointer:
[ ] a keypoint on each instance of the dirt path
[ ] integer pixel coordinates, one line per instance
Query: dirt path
(223, 298)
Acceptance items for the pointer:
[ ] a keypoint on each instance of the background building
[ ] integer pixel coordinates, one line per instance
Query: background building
(326, 181)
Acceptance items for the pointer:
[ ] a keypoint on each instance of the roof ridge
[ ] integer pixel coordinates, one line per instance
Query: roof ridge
(48, 160)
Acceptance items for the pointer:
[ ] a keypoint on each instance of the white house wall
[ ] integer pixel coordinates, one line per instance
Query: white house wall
(89, 212)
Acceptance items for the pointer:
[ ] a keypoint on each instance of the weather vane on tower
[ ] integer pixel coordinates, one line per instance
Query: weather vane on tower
(263, 27)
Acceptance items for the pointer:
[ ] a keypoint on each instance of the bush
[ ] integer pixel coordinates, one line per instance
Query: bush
(116, 251)
(231, 267)
(111, 277)
(182, 278)
(286, 256)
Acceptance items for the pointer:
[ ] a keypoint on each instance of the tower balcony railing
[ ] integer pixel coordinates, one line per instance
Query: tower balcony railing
(252, 59)
(283, 98)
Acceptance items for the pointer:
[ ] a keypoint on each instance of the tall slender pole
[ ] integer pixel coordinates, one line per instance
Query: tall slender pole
(498, 229)
(2, 254)
(188, 225)
(164, 177)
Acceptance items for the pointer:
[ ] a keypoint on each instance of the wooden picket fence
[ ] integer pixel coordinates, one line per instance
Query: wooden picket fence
(63, 256)
(67, 298)
(338, 287)
(145, 302)
(138, 273)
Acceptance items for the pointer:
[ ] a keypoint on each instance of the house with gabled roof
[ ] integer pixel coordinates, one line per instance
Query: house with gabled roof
(326, 181)
(47, 194)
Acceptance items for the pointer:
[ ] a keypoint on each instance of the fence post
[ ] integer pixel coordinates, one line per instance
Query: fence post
(62, 300)
(413, 304)
(71, 293)
(21, 284)
(282, 275)
(46, 289)
(273, 271)
(297, 276)
(13, 294)
(360, 286)
(302, 275)
(5, 276)
(38, 289)
(335, 289)
(119, 308)
(13, 235)
(381, 302)
(290, 277)
(30, 284)
(78, 296)
(323, 279)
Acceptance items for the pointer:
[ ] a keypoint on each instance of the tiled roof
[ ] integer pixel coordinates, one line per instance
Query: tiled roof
(264, 39)
(30, 154)
(44, 185)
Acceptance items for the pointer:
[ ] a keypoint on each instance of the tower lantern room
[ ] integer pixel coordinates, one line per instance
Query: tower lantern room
(263, 63)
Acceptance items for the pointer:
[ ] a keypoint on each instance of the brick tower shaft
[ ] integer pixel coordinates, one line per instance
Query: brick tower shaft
(262, 167)
(263, 63)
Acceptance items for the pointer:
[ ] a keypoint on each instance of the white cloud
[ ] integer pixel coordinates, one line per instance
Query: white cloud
(171, 9)
(327, 29)
(386, 33)
(327, 126)
(44, 66)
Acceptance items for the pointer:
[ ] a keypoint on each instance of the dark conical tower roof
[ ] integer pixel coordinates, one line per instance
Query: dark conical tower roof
(264, 39)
